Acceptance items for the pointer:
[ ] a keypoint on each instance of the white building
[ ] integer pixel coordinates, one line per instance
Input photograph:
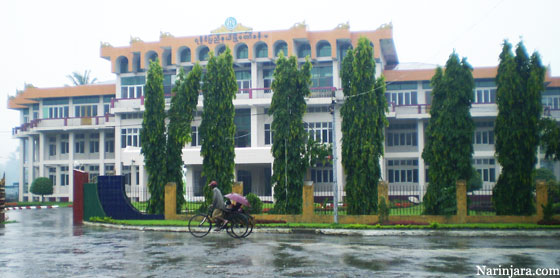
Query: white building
(96, 127)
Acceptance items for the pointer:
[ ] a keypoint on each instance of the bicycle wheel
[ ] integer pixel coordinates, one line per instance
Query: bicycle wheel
(199, 225)
(251, 221)
(238, 226)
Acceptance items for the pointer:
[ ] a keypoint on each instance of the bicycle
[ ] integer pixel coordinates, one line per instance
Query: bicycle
(200, 224)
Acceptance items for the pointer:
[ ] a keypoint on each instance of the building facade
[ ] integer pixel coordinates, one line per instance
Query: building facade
(96, 128)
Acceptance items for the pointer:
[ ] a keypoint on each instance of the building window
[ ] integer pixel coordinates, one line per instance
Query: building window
(242, 121)
(484, 133)
(485, 96)
(262, 50)
(185, 55)
(130, 137)
(268, 134)
(203, 54)
(322, 75)
(243, 81)
(324, 49)
(80, 143)
(52, 175)
(93, 172)
(195, 140)
(486, 167)
(94, 143)
(133, 91)
(64, 146)
(402, 135)
(110, 143)
(320, 132)
(551, 102)
(268, 77)
(52, 146)
(281, 47)
(64, 177)
(304, 50)
(56, 112)
(242, 52)
(322, 174)
(85, 111)
(402, 98)
(402, 171)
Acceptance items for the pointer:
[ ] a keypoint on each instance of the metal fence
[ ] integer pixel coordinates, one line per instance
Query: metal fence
(479, 202)
(405, 199)
(138, 196)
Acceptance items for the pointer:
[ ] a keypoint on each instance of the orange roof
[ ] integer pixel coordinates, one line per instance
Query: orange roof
(31, 95)
(554, 81)
(426, 74)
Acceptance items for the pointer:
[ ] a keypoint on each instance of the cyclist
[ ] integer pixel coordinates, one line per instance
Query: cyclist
(218, 205)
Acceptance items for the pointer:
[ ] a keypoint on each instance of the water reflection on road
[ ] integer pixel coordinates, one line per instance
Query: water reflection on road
(43, 243)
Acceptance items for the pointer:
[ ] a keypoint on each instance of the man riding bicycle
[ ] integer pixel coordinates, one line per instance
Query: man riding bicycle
(218, 205)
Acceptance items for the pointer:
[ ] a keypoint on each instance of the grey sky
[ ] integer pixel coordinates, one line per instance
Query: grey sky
(43, 41)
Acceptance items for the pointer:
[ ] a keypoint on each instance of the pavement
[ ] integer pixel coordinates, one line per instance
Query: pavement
(358, 232)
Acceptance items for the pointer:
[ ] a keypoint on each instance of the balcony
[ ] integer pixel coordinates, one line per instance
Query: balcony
(65, 123)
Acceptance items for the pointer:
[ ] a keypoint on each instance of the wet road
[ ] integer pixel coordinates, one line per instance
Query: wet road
(43, 243)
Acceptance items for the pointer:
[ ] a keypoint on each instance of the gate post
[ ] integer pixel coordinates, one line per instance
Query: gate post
(170, 205)
(461, 192)
(237, 188)
(542, 198)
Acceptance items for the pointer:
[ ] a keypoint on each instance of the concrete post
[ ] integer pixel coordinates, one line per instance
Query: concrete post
(237, 187)
(170, 206)
(383, 191)
(542, 198)
(461, 192)
(308, 202)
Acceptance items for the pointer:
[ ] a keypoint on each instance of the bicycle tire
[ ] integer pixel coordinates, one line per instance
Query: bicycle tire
(251, 224)
(200, 225)
(238, 226)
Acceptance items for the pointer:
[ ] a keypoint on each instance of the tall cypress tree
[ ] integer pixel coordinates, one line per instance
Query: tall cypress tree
(152, 137)
(550, 138)
(449, 149)
(183, 103)
(363, 122)
(288, 106)
(520, 81)
(217, 129)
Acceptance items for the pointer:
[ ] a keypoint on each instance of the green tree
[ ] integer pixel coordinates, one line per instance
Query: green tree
(550, 138)
(449, 148)
(363, 122)
(42, 186)
(217, 129)
(81, 79)
(153, 139)
(520, 81)
(183, 103)
(288, 105)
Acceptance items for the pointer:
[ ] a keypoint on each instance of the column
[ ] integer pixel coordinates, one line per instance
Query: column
(335, 75)
(118, 149)
(143, 186)
(71, 166)
(41, 154)
(421, 164)
(21, 166)
(102, 153)
(254, 127)
(341, 179)
(29, 165)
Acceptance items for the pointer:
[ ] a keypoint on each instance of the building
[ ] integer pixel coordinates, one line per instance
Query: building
(96, 127)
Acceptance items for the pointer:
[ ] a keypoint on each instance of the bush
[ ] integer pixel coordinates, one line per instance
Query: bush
(383, 211)
(256, 204)
(42, 186)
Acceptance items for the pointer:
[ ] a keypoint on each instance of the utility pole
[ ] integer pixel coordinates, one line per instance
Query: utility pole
(335, 182)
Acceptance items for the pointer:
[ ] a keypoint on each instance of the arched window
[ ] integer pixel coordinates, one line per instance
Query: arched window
(342, 49)
(281, 46)
(261, 50)
(123, 64)
(151, 56)
(185, 55)
(323, 49)
(220, 49)
(304, 50)
(203, 53)
(242, 52)
(167, 58)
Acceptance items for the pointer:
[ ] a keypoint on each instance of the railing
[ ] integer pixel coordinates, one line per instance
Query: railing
(138, 196)
(64, 122)
(405, 199)
(479, 202)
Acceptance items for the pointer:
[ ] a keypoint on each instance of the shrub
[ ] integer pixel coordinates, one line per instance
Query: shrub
(42, 186)
(256, 204)
(383, 211)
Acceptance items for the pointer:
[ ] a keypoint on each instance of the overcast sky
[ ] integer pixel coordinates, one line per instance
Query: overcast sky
(43, 41)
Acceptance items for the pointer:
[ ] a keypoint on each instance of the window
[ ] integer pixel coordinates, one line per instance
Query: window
(262, 50)
(194, 136)
(402, 171)
(203, 54)
(304, 50)
(484, 133)
(268, 77)
(85, 111)
(320, 132)
(322, 174)
(551, 102)
(268, 134)
(52, 175)
(321, 75)
(281, 47)
(126, 172)
(80, 143)
(52, 146)
(56, 112)
(185, 55)
(242, 122)
(486, 167)
(133, 91)
(402, 98)
(242, 52)
(130, 137)
(93, 172)
(402, 135)
(243, 81)
(94, 143)
(324, 49)
(485, 96)
(110, 143)
(64, 147)
(64, 177)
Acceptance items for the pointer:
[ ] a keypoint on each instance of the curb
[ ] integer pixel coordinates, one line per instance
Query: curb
(31, 207)
(350, 232)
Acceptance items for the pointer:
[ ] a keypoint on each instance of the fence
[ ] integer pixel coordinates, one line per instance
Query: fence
(479, 202)
(405, 199)
(138, 196)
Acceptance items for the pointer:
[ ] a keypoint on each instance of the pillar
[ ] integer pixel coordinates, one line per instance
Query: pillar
(237, 187)
(461, 201)
(308, 202)
(383, 191)
(170, 206)
(542, 198)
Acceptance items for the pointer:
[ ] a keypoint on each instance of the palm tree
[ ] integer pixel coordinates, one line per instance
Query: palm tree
(79, 79)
